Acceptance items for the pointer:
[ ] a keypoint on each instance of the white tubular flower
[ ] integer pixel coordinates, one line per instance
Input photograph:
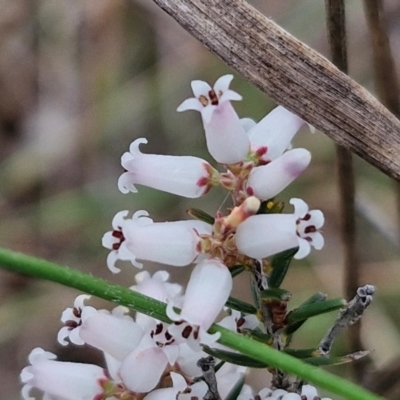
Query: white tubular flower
(207, 292)
(115, 334)
(226, 138)
(179, 390)
(185, 176)
(309, 392)
(64, 380)
(173, 243)
(268, 180)
(141, 370)
(261, 236)
(273, 134)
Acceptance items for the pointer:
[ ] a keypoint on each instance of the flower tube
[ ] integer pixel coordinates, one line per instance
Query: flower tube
(227, 140)
(185, 176)
(172, 243)
(208, 290)
(262, 236)
(65, 380)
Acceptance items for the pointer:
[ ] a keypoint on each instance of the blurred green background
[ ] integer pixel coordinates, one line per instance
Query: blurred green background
(79, 81)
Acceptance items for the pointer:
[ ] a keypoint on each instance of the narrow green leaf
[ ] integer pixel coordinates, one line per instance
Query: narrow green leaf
(325, 361)
(311, 310)
(241, 306)
(201, 215)
(301, 353)
(259, 335)
(234, 393)
(275, 294)
(280, 265)
(236, 270)
(293, 327)
(234, 358)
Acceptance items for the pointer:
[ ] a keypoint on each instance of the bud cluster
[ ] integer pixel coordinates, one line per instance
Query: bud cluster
(149, 359)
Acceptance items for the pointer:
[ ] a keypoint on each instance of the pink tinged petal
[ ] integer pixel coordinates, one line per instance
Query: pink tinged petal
(190, 104)
(208, 290)
(142, 371)
(317, 240)
(69, 381)
(300, 207)
(248, 123)
(261, 236)
(227, 141)
(268, 180)
(222, 83)
(278, 392)
(110, 334)
(200, 88)
(291, 396)
(113, 366)
(317, 218)
(172, 243)
(230, 95)
(185, 176)
(275, 131)
(125, 183)
(304, 249)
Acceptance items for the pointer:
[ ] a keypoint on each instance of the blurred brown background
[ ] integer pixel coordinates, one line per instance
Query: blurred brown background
(80, 80)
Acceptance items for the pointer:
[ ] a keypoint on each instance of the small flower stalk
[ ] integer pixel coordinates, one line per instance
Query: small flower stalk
(178, 358)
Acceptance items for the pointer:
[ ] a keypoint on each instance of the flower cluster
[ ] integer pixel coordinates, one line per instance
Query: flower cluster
(147, 358)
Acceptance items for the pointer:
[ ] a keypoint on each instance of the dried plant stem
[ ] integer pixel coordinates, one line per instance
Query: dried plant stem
(293, 75)
(336, 24)
(388, 89)
(386, 80)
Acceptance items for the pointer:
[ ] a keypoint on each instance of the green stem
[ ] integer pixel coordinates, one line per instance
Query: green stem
(46, 270)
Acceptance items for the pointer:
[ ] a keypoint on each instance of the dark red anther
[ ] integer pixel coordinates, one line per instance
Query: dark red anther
(310, 229)
(168, 336)
(213, 97)
(77, 312)
(306, 217)
(159, 328)
(71, 324)
(118, 234)
(196, 334)
(240, 322)
(187, 331)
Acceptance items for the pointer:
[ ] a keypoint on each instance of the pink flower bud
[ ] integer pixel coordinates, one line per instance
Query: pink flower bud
(268, 180)
(274, 133)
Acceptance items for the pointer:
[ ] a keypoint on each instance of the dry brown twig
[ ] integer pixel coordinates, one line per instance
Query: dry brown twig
(293, 75)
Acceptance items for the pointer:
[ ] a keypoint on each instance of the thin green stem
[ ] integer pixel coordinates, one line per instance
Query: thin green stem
(47, 270)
